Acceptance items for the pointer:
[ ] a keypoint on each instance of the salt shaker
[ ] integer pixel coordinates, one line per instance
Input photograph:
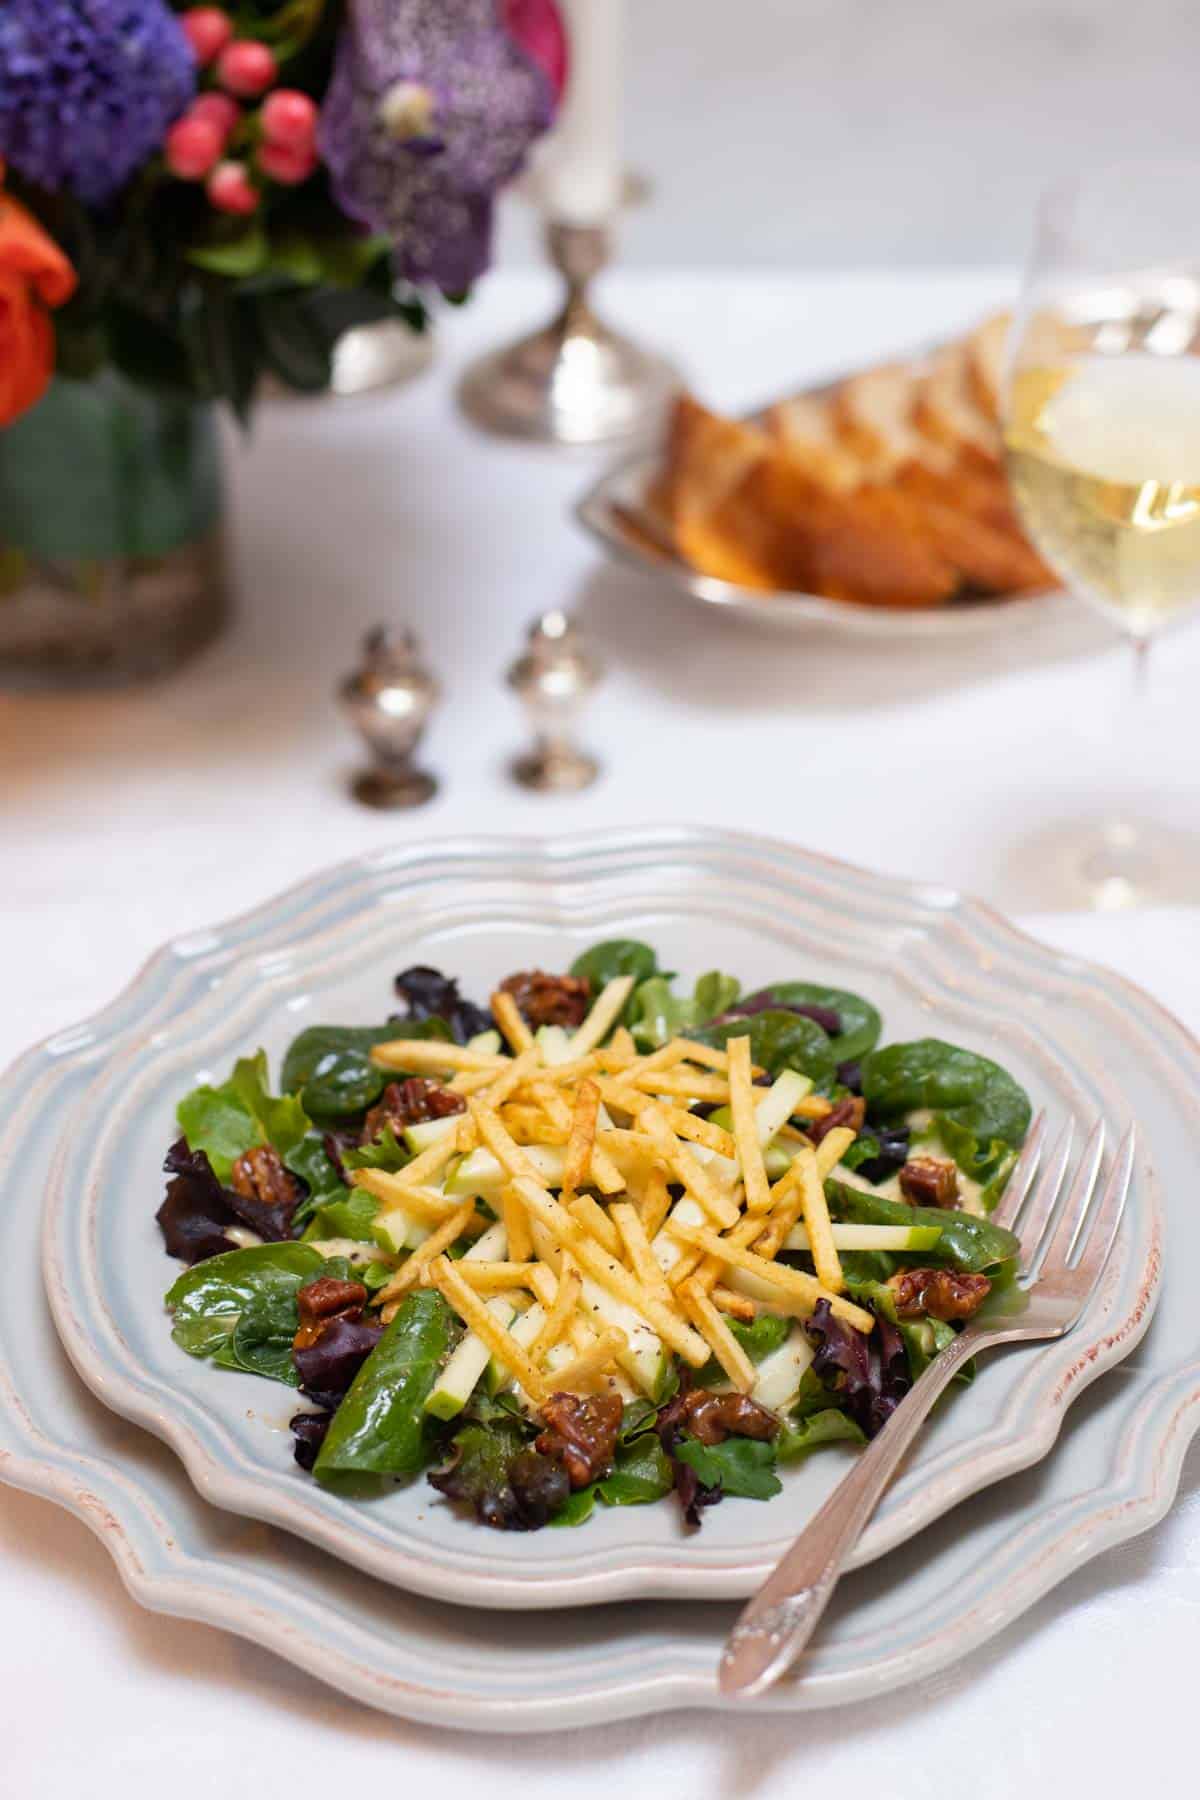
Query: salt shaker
(553, 679)
(389, 700)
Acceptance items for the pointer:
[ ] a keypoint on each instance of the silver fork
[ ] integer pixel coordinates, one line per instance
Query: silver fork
(1061, 1261)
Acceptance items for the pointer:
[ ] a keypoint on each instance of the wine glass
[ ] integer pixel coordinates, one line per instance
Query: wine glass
(1101, 420)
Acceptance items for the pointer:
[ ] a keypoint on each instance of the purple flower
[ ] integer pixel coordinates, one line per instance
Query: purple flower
(88, 89)
(431, 109)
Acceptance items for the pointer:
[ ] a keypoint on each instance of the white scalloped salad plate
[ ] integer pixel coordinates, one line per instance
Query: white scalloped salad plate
(327, 951)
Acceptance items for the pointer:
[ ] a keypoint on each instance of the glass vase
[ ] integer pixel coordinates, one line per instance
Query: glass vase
(110, 553)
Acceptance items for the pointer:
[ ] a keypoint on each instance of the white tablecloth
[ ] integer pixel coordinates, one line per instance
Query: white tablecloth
(128, 818)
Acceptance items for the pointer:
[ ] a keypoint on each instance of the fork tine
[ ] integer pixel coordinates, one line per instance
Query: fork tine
(1078, 1200)
(1045, 1195)
(1099, 1226)
(1021, 1180)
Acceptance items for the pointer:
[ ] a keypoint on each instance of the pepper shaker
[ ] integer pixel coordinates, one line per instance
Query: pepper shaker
(388, 700)
(553, 679)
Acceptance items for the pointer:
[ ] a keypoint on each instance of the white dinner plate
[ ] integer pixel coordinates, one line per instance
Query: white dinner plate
(327, 951)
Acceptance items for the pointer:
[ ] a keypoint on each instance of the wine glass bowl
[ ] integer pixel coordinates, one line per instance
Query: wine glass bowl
(1101, 424)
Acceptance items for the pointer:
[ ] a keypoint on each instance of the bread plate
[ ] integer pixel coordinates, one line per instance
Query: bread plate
(615, 514)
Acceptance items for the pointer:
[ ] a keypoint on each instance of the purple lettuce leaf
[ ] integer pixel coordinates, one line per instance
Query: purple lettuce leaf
(868, 1373)
(196, 1212)
(327, 1367)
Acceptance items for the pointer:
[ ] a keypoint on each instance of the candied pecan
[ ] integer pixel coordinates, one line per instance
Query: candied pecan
(851, 1110)
(410, 1102)
(714, 1417)
(942, 1293)
(259, 1174)
(322, 1301)
(929, 1181)
(549, 999)
(581, 1433)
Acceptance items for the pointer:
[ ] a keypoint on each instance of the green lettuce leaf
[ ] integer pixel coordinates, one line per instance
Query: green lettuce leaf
(758, 1337)
(353, 1215)
(641, 1472)
(800, 1437)
(225, 1121)
(384, 1152)
(657, 1015)
(742, 1467)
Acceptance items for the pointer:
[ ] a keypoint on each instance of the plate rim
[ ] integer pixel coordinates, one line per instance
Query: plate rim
(1025, 1430)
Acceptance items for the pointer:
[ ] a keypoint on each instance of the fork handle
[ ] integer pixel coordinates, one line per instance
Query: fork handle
(778, 1622)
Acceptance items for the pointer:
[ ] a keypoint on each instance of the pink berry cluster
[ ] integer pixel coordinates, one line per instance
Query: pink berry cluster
(244, 71)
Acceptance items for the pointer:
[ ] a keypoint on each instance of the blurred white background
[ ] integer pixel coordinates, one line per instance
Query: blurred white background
(856, 133)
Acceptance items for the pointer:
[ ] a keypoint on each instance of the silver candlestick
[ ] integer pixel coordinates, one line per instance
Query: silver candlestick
(389, 700)
(553, 678)
(576, 381)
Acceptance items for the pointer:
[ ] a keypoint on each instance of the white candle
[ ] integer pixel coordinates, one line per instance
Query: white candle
(579, 172)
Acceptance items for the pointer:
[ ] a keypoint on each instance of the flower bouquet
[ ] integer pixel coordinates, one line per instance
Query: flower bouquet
(192, 199)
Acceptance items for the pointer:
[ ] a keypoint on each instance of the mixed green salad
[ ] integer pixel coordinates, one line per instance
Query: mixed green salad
(607, 1240)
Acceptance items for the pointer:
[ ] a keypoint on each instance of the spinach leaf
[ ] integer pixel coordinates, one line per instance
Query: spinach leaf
(860, 1021)
(227, 1120)
(381, 1427)
(758, 1337)
(778, 1041)
(967, 1242)
(331, 1068)
(742, 1467)
(616, 956)
(658, 1015)
(312, 1163)
(813, 1431)
(240, 1307)
(959, 1087)
(352, 1214)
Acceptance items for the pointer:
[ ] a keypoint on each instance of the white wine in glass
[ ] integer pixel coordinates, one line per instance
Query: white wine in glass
(1102, 438)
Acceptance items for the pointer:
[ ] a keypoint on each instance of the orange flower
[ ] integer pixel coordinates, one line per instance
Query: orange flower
(34, 276)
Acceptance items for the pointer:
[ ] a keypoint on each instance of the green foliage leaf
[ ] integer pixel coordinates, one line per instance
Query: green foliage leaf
(959, 1087)
(741, 1467)
(800, 1437)
(238, 257)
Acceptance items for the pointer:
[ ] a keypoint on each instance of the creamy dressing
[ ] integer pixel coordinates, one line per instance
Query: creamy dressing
(243, 1237)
